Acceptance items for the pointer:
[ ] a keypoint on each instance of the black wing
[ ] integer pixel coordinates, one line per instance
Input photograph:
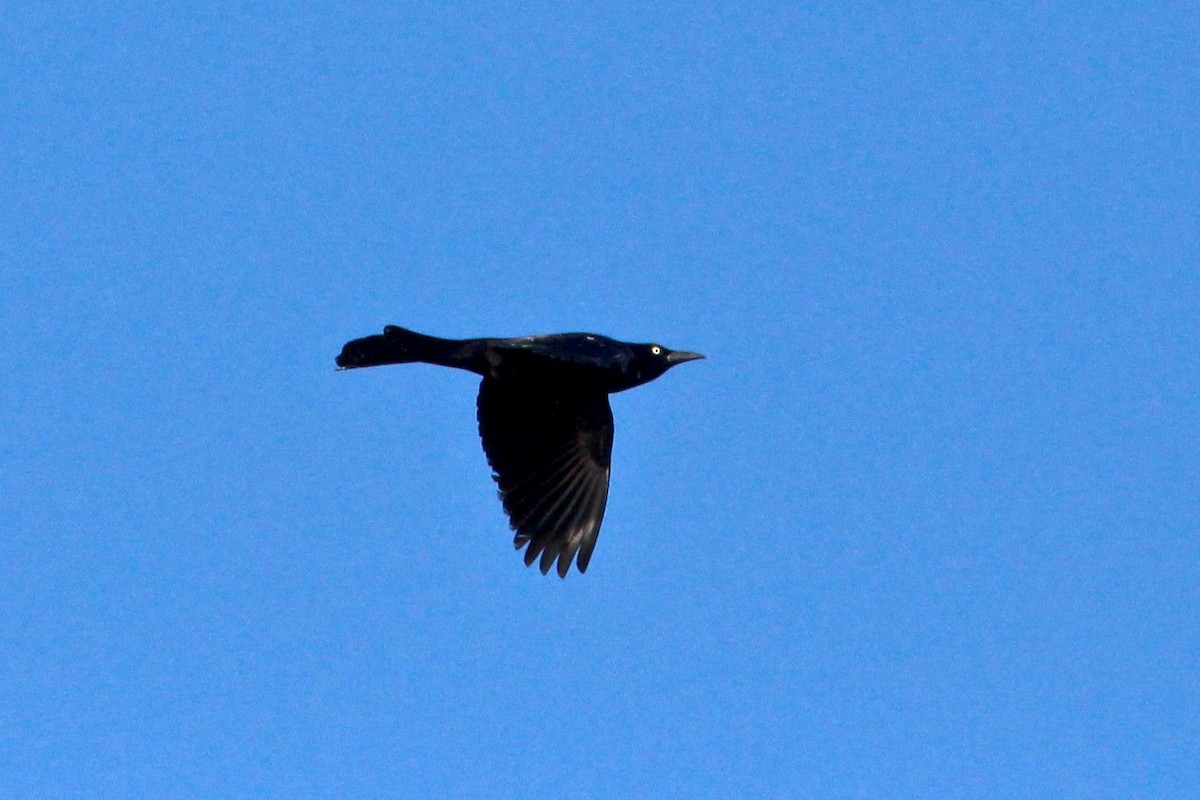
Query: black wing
(550, 448)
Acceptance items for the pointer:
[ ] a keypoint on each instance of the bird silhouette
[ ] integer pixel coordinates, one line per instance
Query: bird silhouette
(544, 419)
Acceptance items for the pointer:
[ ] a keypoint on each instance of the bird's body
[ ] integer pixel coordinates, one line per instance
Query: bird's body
(544, 420)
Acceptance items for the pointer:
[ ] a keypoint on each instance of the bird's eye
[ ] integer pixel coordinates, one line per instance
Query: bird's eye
(655, 350)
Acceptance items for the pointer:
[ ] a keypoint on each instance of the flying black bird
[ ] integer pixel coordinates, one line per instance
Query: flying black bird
(544, 419)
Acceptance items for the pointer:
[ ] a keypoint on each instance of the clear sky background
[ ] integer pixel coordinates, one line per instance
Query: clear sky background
(923, 526)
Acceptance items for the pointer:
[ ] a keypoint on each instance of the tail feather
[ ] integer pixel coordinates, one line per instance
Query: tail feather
(394, 346)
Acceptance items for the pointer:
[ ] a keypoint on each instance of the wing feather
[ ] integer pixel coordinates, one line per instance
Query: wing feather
(550, 448)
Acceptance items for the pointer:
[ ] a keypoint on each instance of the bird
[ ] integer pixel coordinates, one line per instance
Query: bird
(544, 420)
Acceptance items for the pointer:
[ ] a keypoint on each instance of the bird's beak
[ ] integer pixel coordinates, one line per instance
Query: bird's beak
(680, 356)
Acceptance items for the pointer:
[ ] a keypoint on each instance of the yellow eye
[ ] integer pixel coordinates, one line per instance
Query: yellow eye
(655, 350)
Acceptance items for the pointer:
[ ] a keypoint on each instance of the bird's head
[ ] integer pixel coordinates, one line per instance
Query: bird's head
(652, 360)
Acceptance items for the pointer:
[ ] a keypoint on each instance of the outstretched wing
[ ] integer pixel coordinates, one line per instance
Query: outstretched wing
(550, 447)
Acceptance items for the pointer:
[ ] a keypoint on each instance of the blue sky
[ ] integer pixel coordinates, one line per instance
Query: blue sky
(923, 525)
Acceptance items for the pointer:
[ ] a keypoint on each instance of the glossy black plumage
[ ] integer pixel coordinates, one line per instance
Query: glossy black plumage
(545, 422)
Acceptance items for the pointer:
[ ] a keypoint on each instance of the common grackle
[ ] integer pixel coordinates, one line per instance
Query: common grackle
(544, 419)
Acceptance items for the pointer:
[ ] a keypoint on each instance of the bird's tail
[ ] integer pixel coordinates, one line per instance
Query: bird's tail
(395, 346)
